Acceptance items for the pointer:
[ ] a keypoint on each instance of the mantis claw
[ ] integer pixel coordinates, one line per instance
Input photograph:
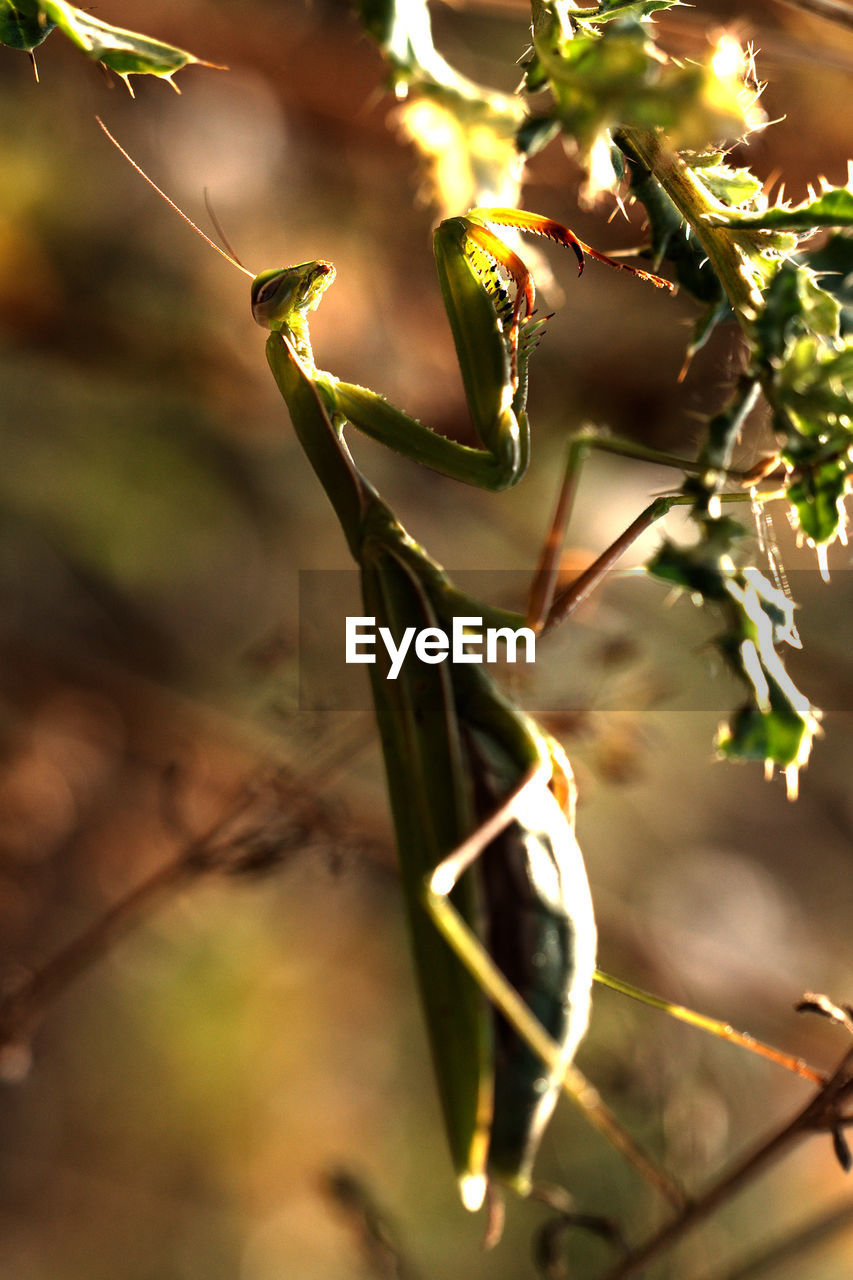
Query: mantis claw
(538, 225)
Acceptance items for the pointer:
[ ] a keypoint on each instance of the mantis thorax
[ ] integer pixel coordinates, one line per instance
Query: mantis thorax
(283, 296)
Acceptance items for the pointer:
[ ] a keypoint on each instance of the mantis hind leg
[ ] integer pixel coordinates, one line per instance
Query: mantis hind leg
(547, 606)
(523, 809)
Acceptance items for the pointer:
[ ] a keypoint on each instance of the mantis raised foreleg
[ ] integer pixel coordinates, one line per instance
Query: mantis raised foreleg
(494, 336)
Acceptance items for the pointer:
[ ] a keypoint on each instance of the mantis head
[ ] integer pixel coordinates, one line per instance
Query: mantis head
(282, 296)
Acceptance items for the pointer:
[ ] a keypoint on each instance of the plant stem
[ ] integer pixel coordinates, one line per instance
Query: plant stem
(264, 824)
(22, 1007)
(815, 1231)
(818, 1115)
(694, 202)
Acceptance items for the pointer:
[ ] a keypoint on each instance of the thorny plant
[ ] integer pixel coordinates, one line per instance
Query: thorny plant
(649, 127)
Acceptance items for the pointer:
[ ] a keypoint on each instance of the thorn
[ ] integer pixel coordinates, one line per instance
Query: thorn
(769, 183)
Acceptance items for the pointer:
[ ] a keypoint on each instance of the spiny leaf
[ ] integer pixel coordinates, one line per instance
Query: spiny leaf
(794, 305)
(777, 724)
(815, 385)
(779, 735)
(832, 265)
(818, 500)
(638, 9)
(125, 52)
(22, 30)
(609, 76)
(832, 208)
(731, 186)
(806, 373)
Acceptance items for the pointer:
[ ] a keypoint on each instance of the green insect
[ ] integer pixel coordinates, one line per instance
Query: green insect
(456, 749)
(497, 898)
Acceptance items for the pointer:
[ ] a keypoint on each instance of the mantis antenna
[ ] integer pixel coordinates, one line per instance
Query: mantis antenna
(217, 227)
(227, 256)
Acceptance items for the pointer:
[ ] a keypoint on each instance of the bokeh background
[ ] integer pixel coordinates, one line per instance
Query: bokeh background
(240, 1048)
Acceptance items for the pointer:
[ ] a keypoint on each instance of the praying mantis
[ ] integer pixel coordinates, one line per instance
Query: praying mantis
(483, 798)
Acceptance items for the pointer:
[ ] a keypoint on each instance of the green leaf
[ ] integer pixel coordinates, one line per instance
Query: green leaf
(22, 30)
(379, 19)
(535, 132)
(815, 388)
(806, 373)
(638, 9)
(780, 735)
(794, 306)
(608, 77)
(818, 500)
(125, 52)
(731, 186)
(696, 569)
(832, 265)
(778, 723)
(404, 34)
(832, 208)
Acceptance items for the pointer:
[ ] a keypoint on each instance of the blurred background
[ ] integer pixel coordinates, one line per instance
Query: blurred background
(238, 1072)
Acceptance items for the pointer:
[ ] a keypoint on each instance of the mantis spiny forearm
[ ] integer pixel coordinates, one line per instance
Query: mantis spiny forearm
(493, 334)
